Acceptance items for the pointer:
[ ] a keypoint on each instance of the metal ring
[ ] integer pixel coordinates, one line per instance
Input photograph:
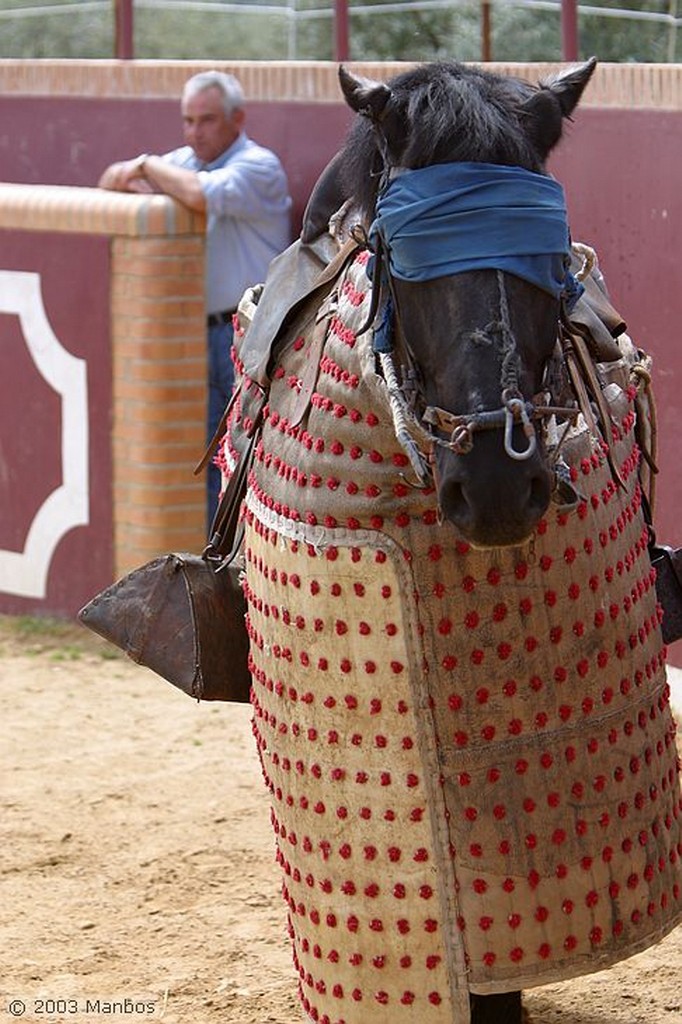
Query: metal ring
(515, 409)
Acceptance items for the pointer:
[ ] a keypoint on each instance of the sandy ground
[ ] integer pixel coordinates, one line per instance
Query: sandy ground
(136, 860)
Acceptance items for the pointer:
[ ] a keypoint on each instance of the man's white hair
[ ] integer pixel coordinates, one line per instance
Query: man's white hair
(229, 87)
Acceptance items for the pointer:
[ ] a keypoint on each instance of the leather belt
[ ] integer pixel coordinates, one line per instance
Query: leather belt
(225, 317)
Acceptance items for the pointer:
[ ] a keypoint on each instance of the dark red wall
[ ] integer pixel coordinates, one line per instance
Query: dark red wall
(620, 169)
(74, 282)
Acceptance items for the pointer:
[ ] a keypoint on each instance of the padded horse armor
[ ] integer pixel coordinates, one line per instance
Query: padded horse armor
(470, 753)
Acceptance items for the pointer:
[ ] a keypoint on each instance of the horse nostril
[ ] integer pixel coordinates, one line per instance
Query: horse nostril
(540, 493)
(454, 504)
(504, 513)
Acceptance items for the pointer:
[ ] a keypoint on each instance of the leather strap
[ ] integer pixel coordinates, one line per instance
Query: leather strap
(225, 536)
(586, 383)
(219, 431)
(311, 371)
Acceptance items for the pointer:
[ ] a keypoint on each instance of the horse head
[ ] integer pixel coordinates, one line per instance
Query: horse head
(447, 164)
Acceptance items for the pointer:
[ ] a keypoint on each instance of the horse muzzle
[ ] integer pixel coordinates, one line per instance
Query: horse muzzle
(492, 499)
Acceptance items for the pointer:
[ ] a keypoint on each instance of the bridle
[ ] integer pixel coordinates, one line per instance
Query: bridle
(514, 410)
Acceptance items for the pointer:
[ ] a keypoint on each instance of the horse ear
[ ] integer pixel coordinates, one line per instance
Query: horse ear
(568, 86)
(364, 95)
(326, 198)
(556, 98)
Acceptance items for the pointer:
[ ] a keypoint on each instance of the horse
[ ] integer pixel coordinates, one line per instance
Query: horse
(459, 693)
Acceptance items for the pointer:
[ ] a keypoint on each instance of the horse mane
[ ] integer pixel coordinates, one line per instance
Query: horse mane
(441, 112)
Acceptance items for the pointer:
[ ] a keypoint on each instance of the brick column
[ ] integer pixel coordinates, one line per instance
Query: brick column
(159, 396)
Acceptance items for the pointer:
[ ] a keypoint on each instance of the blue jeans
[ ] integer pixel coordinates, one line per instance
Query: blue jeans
(220, 384)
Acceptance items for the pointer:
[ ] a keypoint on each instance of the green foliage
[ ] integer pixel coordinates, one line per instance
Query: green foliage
(517, 33)
(539, 31)
(201, 35)
(417, 35)
(623, 40)
(61, 639)
(30, 627)
(73, 33)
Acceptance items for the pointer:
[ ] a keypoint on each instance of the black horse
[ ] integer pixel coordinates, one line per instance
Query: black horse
(457, 686)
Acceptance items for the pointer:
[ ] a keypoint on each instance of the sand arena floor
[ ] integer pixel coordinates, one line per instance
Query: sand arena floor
(137, 868)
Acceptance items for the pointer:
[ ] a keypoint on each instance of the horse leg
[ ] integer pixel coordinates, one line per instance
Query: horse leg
(500, 1008)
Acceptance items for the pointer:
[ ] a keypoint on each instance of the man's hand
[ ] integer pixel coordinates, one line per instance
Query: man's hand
(127, 176)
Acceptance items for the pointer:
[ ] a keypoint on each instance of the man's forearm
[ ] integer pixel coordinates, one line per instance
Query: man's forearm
(148, 173)
(125, 176)
(177, 182)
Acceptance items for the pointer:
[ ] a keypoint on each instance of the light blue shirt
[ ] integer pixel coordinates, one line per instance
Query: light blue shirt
(248, 211)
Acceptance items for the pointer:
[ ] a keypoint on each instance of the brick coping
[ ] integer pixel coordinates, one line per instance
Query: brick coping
(94, 211)
(657, 86)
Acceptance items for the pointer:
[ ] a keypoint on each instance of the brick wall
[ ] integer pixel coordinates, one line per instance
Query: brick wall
(158, 341)
(651, 86)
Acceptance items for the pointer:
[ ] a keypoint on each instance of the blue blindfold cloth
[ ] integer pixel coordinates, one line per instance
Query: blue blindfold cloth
(450, 218)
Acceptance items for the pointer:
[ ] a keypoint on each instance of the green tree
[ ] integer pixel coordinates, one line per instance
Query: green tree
(183, 35)
(33, 33)
(622, 39)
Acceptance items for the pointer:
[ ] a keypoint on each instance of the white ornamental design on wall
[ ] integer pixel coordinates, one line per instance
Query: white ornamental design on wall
(25, 573)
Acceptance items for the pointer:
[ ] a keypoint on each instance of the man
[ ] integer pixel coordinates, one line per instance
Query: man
(243, 190)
